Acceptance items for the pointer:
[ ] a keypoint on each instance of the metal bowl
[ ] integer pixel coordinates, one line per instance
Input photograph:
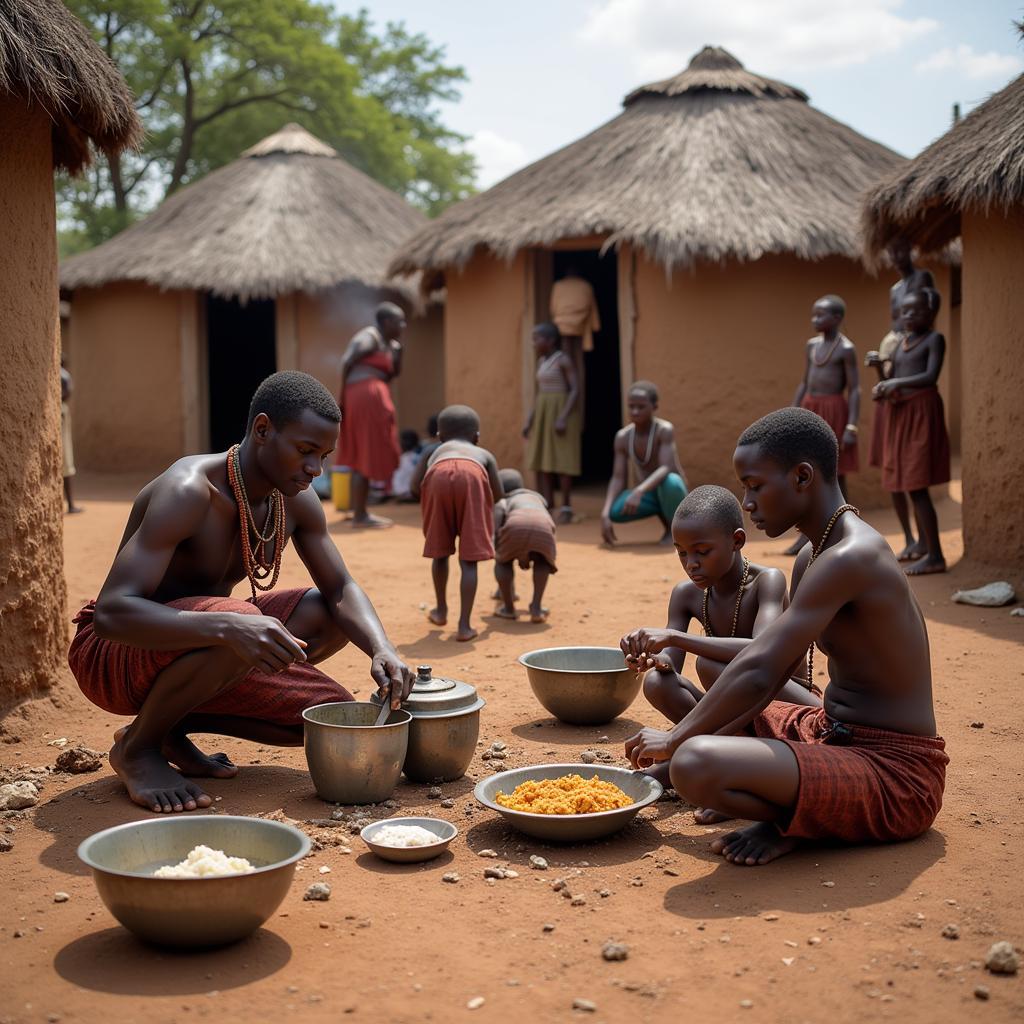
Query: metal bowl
(570, 828)
(351, 760)
(582, 685)
(193, 912)
(445, 831)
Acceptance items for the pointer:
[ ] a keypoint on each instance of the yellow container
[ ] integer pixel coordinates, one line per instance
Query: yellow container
(341, 488)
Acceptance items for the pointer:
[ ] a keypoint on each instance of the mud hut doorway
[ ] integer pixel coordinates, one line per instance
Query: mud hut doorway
(241, 351)
(603, 405)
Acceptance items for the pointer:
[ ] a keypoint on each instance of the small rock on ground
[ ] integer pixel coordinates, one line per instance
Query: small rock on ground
(78, 760)
(1002, 958)
(434, 793)
(538, 863)
(318, 891)
(60, 897)
(981, 992)
(951, 931)
(588, 756)
(6, 844)
(451, 877)
(615, 951)
(16, 796)
(586, 1005)
(475, 1003)
(487, 853)
(448, 802)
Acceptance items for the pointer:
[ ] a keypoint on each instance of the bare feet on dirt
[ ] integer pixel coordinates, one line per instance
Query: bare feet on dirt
(709, 816)
(926, 566)
(371, 523)
(152, 783)
(190, 760)
(539, 614)
(912, 552)
(756, 844)
(438, 617)
(504, 612)
(465, 634)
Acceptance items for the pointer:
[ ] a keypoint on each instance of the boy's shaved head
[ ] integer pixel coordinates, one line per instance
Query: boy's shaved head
(647, 388)
(511, 480)
(547, 330)
(834, 302)
(931, 297)
(711, 504)
(285, 396)
(458, 422)
(389, 311)
(790, 436)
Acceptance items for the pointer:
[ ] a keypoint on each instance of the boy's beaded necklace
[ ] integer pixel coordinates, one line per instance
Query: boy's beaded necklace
(706, 618)
(817, 348)
(817, 551)
(257, 567)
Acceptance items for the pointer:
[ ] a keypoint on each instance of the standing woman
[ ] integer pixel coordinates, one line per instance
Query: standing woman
(553, 426)
(369, 435)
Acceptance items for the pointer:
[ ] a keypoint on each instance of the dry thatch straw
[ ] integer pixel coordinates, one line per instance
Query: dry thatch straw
(288, 215)
(977, 165)
(716, 163)
(47, 57)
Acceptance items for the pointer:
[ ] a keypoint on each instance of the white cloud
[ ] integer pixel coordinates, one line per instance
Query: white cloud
(965, 60)
(496, 156)
(775, 36)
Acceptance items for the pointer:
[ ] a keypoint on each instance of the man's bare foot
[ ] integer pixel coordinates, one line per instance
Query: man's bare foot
(371, 523)
(438, 616)
(926, 566)
(912, 552)
(504, 612)
(756, 844)
(466, 633)
(708, 816)
(191, 761)
(75, 509)
(796, 546)
(152, 783)
(539, 614)
(565, 515)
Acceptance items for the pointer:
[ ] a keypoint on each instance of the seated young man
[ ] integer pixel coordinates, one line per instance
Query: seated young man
(645, 449)
(732, 598)
(165, 640)
(868, 766)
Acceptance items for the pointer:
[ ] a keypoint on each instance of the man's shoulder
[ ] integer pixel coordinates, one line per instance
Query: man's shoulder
(188, 478)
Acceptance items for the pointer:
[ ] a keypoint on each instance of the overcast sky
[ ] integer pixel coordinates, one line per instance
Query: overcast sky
(544, 72)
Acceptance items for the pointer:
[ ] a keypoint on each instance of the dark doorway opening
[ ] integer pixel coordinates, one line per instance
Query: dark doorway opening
(603, 404)
(241, 351)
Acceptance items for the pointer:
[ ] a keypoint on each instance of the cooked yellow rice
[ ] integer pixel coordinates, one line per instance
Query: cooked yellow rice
(571, 794)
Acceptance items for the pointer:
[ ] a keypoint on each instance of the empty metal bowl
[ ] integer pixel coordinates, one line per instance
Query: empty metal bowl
(444, 830)
(193, 912)
(582, 685)
(570, 828)
(351, 760)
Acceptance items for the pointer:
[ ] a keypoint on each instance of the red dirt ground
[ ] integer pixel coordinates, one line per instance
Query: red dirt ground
(396, 944)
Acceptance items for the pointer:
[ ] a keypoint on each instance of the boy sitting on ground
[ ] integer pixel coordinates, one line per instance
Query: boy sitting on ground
(525, 533)
(867, 767)
(732, 598)
(458, 485)
(648, 445)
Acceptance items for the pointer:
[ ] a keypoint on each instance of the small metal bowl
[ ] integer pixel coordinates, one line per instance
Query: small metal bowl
(193, 912)
(582, 685)
(570, 828)
(445, 831)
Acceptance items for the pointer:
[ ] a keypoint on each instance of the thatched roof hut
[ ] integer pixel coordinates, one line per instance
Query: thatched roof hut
(48, 58)
(708, 215)
(59, 94)
(717, 163)
(288, 215)
(970, 184)
(269, 263)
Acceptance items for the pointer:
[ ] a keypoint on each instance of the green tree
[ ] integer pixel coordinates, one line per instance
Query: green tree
(211, 78)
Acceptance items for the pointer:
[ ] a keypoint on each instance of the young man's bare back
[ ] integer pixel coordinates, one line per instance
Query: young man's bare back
(166, 642)
(866, 767)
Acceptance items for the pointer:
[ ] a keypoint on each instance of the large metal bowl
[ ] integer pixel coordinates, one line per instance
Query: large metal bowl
(570, 828)
(351, 760)
(582, 685)
(193, 912)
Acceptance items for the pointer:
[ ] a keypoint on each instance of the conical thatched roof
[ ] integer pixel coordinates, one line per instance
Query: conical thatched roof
(47, 57)
(978, 164)
(716, 163)
(288, 215)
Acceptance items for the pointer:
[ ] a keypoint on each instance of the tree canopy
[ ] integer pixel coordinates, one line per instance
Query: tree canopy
(211, 78)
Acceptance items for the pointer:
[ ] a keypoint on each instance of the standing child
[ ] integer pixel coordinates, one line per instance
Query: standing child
(732, 598)
(524, 533)
(554, 424)
(916, 451)
(458, 485)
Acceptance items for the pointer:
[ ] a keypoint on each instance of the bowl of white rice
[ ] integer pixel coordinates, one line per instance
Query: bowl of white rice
(193, 882)
(408, 840)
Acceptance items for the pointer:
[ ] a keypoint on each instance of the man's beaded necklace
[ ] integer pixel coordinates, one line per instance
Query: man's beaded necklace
(817, 551)
(257, 566)
(706, 618)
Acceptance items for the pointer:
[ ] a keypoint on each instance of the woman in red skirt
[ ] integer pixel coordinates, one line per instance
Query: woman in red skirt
(369, 435)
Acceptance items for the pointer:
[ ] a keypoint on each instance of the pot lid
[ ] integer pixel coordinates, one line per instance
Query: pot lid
(435, 696)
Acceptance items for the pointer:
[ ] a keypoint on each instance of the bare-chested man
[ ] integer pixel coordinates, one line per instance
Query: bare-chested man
(166, 642)
(646, 448)
(868, 766)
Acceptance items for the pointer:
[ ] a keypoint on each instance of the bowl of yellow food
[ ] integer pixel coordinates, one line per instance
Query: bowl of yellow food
(568, 803)
(193, 882)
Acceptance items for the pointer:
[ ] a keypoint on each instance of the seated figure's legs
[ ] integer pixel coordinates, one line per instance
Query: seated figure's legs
(648, 507)
(312, 621)
(670, 493)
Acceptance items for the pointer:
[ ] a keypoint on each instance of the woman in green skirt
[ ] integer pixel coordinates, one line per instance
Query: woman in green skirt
(554, 424)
